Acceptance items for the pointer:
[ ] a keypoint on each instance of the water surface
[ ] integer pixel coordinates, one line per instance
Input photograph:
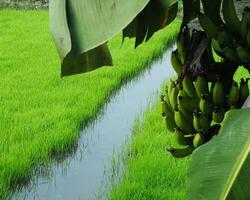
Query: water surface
(80, 176)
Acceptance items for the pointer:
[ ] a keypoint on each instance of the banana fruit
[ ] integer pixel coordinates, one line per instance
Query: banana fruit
(243, 91)
(181, 153)
(218, 94)
(181, 139)
(170, 123)
(205, 106)
(231, 38)
(233, 97)
(188, 87)
(187, 104)
(245, 24)
(201, 86)
(200, 122)
(176, 63)
(195, 103)
(209, 26)
(173, 97)
(183, 122)
(198, 140)
(232, 21)
(218, 114)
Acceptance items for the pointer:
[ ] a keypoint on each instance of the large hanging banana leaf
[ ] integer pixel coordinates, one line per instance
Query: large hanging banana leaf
(221, 168)
(81, 28)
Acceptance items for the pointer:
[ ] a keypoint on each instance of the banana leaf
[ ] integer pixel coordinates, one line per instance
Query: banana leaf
(156, 15)
(81, 28)
(220, 169)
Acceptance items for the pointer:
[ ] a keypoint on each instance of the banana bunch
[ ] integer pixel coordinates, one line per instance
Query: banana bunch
(194, 108)
(231, 38)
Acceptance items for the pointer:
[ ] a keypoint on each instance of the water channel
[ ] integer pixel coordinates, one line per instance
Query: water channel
(81, 175)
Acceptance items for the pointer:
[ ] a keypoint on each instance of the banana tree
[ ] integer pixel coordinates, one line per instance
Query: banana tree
(82, 28)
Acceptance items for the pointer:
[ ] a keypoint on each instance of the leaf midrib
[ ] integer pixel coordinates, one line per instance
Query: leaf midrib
(235, 170)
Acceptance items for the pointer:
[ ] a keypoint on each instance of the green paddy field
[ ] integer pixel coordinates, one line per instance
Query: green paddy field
(40, 112)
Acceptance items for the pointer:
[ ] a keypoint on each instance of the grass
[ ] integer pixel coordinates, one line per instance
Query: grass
(41, 113)
(149, 172)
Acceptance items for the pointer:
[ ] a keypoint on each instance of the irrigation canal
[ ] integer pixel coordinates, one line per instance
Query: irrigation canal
(81, 175)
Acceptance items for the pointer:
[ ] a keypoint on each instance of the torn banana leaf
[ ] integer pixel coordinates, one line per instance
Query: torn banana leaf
(155, 16)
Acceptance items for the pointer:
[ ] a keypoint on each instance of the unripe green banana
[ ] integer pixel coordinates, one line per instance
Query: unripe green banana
(201, 86)
(173, 98)
(200, 122)
(243, 53)
(166, 109)
(183, 43)
(187, 115)
(188, 87)
(205, 123)
(245, 24)
(209, 26)
(171, 85)
(196, 122)
(217, 48)
(218, 94)
(181, 153)
(181, 138)
(218, 114)
(211, 88)
(230, 16)
(183, 122)
(176, 63)
(163, 108)
(187, 104)
(182, 93)
(198, 140)
(244, 91)
(180, 47)
(179, 85)
(166, 97)
(233, 97)
(225, 38)
(205, 106)
(170, 123)
(213, 10)
(231, 54)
